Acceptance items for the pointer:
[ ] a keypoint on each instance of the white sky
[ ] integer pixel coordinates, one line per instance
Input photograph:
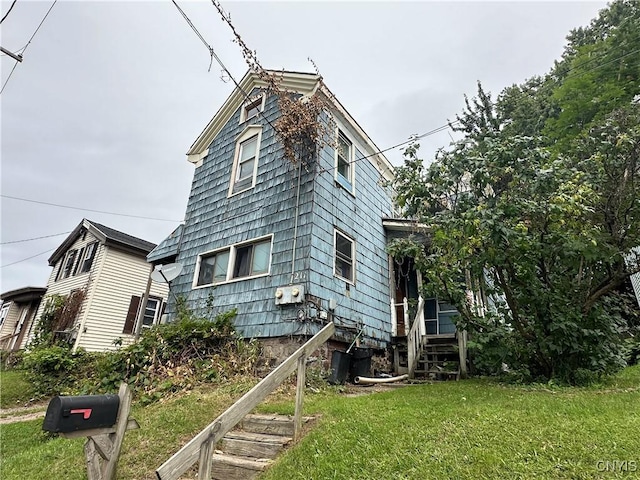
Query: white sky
(110, 95)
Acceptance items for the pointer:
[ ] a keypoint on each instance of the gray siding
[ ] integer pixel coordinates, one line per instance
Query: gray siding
(359, 216)
(214, 220)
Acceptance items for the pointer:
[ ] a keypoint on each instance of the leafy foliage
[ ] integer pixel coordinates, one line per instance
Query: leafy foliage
(168, 358)
(538, 210)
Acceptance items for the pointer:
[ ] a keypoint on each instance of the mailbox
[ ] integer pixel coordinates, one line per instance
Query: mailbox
(85, 412)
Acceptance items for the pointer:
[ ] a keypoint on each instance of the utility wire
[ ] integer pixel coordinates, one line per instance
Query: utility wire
(8, 11)
(34, 238)
(25, 47)
(213, 55)
(454, 122)
(89, 209)
(28, 258)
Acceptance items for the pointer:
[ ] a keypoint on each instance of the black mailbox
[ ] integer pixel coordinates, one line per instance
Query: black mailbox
(85, 412)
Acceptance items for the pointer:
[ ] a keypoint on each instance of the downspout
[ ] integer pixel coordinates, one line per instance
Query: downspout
(295, 226)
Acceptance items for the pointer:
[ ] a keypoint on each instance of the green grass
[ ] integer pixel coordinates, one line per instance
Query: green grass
(15, 389)
(474, 429)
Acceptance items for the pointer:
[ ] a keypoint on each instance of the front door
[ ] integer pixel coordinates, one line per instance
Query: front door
(406, 285)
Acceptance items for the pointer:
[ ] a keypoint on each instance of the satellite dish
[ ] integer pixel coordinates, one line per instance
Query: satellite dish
(166, 273)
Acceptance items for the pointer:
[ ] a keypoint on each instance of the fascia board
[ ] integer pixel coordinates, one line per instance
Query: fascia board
(375, 157)
(303, 83)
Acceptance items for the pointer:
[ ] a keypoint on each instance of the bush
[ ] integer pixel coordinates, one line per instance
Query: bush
(55, 369)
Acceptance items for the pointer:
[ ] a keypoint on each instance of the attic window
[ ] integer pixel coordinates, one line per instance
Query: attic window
(252, 108)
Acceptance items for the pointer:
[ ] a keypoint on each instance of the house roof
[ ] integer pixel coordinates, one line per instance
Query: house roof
(168, 247)
(105, 235)
(23, 294)
(298, 82)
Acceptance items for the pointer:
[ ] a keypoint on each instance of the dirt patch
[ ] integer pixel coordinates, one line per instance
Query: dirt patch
(22, 418)
(358, 390)
(22, 414)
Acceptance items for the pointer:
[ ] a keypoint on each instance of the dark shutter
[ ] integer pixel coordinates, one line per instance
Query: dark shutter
(130, 321)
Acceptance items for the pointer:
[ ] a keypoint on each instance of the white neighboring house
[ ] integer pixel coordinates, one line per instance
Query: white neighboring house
(17, 312)
(111, 267)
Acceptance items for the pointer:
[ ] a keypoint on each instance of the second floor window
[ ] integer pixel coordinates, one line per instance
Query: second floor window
(344, 162)
(68, 264)
(245, 164)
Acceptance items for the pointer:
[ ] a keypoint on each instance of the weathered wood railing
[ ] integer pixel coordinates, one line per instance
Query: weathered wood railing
(200, 448)
(415, 339)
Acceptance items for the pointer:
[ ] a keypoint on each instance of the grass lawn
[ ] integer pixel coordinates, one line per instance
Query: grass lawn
(474, 429)
(15, 390)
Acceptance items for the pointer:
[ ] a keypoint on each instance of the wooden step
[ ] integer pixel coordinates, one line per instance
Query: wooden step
(231, 467)
(256, 445)
(270, 424)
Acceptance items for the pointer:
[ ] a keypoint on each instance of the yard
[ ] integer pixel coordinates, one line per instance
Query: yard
(473, 429)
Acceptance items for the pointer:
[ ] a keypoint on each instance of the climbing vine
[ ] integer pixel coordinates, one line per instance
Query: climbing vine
(58, 318)
(302, 128)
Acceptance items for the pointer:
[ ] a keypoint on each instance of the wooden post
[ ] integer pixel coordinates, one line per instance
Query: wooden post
(102, 449)
(297, 419)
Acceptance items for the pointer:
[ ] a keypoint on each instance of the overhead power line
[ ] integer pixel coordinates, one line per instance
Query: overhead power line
(25, 47)
(28, 258)
(213, 55)
(34, 238)
(8, 11)
(89, 209)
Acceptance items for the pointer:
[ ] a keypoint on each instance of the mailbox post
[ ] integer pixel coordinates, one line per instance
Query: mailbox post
(103, 419)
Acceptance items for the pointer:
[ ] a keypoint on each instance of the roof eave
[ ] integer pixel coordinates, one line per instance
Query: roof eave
(303, 83)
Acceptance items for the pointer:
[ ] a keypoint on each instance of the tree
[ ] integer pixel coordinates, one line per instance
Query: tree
(539, 205)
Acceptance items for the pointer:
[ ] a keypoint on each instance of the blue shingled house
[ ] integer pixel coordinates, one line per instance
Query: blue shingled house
(292, 246)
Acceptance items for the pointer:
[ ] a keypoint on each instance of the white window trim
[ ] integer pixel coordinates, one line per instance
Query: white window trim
(248, 133)
(351, 160)
(232, 259)
(353, 257)
(156, 314)
(252, 100)
(4, 311)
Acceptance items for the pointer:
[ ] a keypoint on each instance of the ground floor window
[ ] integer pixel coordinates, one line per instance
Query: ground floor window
(234, 262)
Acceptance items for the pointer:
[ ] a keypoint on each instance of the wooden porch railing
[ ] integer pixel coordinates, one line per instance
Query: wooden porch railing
(415, 339)
(200, 448)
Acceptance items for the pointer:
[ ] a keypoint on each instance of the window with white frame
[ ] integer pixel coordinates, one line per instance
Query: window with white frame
(4, 311)
(345, 253)
(69, 261)
(236, 262)
(252, 108)
(344, 161)
(245, 164)
(89, 255)
(151, 313)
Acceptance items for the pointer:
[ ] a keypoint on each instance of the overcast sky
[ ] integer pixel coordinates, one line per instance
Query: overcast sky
(110, 95)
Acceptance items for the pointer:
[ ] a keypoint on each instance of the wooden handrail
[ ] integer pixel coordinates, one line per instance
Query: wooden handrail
(200, 448)
(414, 340)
